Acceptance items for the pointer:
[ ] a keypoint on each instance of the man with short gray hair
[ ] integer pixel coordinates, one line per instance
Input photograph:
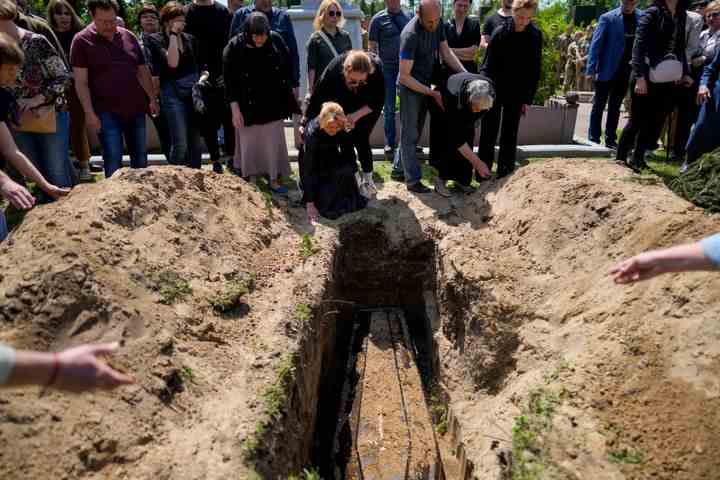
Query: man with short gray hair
(422, 44)
(466, 97)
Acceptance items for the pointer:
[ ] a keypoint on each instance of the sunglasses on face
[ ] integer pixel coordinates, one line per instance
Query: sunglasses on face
(357, 83)
(712, 15)
(334, 13)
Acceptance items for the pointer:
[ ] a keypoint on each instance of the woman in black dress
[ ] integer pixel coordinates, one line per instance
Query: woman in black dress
(466, 97)
(659, 43)
(328, 170)
(464, 35)
(512, 62)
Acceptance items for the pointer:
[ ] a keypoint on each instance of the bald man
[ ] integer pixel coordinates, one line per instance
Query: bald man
(422, 42)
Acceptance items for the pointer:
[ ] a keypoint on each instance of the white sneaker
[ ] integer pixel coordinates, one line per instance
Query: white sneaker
(369, 184)
(440, 188)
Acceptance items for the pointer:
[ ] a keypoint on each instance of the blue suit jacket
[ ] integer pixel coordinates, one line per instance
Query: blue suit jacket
(279, 23)
(608, 44)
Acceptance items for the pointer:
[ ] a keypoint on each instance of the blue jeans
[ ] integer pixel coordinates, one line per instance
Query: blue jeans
(50, 152)
(185, 138)
(390, 72)
(413, 107)
(704, 137)
(3, 226)
(113, 128)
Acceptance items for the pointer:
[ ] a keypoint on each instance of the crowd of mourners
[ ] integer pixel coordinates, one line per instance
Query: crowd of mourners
(203, 72)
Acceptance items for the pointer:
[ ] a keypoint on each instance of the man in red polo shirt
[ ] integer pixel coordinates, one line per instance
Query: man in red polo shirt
(114, 85)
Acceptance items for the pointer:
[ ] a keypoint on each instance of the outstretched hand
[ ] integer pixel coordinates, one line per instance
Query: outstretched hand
(640, 267)
(81, 370)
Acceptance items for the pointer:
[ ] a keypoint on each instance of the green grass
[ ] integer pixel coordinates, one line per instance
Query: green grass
(172, 287)
(303, 312)
(626, 456)
(307, 474)
(230, 297)
(275, 400)
(187, 375)
(535, 421)
(308, 247)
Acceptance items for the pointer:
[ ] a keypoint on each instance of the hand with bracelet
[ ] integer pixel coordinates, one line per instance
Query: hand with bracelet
(74, 370)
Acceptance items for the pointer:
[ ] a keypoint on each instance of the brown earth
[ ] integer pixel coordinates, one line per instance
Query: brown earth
(524, 303)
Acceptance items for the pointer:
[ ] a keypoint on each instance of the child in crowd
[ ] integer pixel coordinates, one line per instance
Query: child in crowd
(10, 57)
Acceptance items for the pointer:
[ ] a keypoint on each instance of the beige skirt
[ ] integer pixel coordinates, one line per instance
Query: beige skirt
(262, 150)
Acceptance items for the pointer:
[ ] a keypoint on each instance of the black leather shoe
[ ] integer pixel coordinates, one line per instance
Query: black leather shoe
(418, 188)
(397, 176)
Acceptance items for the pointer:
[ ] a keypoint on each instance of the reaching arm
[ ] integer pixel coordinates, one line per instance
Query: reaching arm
(10, 152)
(467, 54)
(450, 59)
(703, 255)
(405, 78)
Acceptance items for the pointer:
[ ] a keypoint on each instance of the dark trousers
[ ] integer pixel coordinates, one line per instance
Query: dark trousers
(610, 93)
(508, 115)
(218, 115)
(161, 126)
(450, 163)
(688, 110)
(647, 114)
(361, 139)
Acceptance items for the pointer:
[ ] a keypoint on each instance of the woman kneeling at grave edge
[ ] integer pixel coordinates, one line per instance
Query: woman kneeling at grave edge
(328, 170)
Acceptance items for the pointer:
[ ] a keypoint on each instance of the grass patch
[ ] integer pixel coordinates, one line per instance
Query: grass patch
(308, 247)
(307, 474)
(187, 375)
(626, 456)
(231, 296)
(529, 456)
(275, 399)
(303, 312)
(172, 287)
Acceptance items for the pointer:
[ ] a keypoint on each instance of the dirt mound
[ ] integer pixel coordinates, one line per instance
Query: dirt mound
(544, 355)
(237, 327)
(198, 276)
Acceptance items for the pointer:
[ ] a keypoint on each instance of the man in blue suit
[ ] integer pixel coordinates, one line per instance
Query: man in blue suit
(279, 23)
(609, 64)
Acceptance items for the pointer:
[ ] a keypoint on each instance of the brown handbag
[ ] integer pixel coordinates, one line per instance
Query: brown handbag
(39, 120)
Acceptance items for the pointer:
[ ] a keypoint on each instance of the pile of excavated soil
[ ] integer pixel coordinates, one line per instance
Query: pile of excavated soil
(110, 262)
(632, 373)
(628, 376)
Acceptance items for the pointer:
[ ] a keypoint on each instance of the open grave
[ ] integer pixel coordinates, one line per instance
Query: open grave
(476, 337)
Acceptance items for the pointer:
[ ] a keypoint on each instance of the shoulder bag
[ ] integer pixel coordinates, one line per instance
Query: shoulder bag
(669, 69)
(38, 120)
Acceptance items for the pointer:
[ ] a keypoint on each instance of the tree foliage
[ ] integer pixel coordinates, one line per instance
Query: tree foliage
(552, 21)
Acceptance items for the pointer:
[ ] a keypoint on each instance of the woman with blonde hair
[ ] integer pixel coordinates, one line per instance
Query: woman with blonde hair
(327, 42)
(328, 169)
(355, 81)
(65, 23)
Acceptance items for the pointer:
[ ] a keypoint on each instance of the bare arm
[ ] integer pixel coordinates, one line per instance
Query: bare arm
(466, 54)
(145, 79)
(83, 90)
(646, 265)
(311, 80)
(405, 78)
(477, 164)
(450, 59)
(10, 152)
(173, 52)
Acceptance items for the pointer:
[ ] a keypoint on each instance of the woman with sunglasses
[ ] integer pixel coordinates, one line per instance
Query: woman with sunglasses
(355, 81)
(710, 38)
(327, 41)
